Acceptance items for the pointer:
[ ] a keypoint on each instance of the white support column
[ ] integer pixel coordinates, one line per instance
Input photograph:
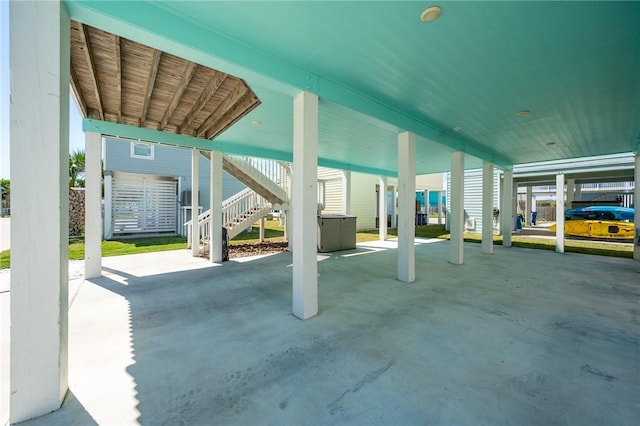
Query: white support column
(456, 215)
(571, 187)
(530, 208)
(39, 132)
(262, 229)
(636, 204)
(487, 208)
(92, 206)
(215, 220)
(506, 210)
(394, 210)
(304, 205)
(346, 194)
(560, 213)
(195, 203)
(577, 195)
(439, 207)
(382, 208)
(406, 206)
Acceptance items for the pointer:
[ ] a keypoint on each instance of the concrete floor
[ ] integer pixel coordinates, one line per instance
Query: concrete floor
(521, 337)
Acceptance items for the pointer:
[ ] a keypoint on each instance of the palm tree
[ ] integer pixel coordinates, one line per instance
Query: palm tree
(76, 169)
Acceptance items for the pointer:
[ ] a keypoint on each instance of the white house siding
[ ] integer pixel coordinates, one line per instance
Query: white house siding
(363, 196)
(473, 196)
(363, 200)
(170, 162)
(432, 182)
(333, 190)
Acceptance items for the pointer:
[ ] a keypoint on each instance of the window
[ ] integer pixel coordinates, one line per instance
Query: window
(142, 150)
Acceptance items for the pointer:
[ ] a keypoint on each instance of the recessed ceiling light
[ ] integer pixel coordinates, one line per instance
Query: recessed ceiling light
(431, 13)
(457, 129)
(523, 113)
(551, 144)
(256, 122)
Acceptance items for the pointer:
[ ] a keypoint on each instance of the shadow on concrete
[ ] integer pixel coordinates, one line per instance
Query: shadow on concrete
(73, 409)
(186, 330)
(520, 337)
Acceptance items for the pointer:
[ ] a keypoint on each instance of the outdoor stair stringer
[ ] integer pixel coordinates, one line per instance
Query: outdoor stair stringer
(238, 224)
(244, 221)
(254, 179)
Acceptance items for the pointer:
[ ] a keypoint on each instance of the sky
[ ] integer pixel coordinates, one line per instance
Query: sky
(76, 136)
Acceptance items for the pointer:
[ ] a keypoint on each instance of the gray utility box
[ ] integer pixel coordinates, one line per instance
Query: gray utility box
(336, 232)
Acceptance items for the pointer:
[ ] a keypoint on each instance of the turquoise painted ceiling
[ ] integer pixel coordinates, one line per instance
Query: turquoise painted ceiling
(379, 70)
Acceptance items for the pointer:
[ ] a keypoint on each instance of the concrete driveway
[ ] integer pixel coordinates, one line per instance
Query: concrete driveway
(522, 337)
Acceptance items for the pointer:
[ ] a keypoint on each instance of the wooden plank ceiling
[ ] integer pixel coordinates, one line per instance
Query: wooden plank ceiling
(121, 81)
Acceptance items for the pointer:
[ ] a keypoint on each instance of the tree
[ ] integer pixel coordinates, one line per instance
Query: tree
(5, 184)
(76, 169)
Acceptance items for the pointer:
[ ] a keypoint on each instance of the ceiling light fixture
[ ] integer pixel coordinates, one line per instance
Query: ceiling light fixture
(457, 129)
(431, 13)
(256, 122)
(523, 113)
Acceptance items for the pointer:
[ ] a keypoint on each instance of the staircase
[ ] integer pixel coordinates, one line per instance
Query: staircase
(268, 178)
(268, 188)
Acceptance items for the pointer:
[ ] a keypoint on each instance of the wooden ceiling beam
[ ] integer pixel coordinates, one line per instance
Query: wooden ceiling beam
(212, 86)
(88, 54)
(151, 82)
(238, 92)
(187, 75)
(118, 88)
(247, 103)
(77, 93)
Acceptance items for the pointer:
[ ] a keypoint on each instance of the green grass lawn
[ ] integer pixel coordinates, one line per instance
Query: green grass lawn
(274, 232)
(571, 246)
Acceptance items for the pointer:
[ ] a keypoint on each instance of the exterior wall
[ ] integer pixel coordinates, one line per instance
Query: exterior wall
(473, 196)
(76, 211)
(363, 193)
(363, 196)
(332, 190)
(167, 161)
(433, 182)
(364, 200)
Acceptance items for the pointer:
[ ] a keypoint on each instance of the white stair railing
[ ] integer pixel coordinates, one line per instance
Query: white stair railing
(277, 171)
(242, 209)
(268, 177)
(236, 211)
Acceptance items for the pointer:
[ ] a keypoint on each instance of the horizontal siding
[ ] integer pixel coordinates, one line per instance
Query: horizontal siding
(333, 196)
(363, 200)
(168, 161)
(327, 173)
(473, 195)
(363, 196)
